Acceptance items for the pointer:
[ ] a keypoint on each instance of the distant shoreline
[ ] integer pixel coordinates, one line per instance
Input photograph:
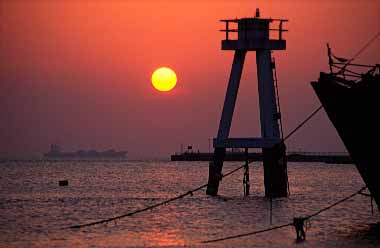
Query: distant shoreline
(291, 157)
(63, 160)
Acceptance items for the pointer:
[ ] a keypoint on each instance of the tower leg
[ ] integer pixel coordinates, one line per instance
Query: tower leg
(215, 171)
(215, 167)
(275, 171)
(274, 160)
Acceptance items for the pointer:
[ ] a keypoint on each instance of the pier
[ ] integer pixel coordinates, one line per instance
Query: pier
(297, 157)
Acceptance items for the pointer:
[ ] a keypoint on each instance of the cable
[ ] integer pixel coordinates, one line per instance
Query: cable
(288, 224)
(190, 192)
(139, 210)
(359, 52)
(247, 234)
(364, 47)
(336, 203)
(303, 122)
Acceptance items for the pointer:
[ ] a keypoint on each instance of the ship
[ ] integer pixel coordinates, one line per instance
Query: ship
(349, 95)
(55, 153)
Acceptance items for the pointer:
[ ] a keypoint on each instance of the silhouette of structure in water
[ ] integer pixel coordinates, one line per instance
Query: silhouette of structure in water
(253, 35)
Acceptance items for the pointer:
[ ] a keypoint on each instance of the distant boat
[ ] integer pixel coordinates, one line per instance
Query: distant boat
(55, 153)
(351, 102)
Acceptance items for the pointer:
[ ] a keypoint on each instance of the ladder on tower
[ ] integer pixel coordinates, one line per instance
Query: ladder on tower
(275, 80)
(279, 116)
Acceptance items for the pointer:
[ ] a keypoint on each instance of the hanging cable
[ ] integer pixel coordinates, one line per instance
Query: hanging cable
(303, 122)
(297, 222)
(247, 234)
(360, 51)
(246, 184)
(188, 193)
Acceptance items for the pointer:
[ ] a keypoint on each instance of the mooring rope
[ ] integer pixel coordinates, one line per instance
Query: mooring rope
(247, 234)
(303, 123)
(288, 224)
(336, 203)
(190, 192)
(359, 52)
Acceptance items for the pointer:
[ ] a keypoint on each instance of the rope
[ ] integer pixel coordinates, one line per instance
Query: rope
(190, 192)
(336, 203)
(139, 210)
(360, 51)
(288, 224)
(303, 122)
(247, 234)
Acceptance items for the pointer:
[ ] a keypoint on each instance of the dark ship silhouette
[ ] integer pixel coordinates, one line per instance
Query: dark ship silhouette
(350, 101)
(55, 153)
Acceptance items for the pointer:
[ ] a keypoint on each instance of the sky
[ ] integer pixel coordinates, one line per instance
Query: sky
(78, 73)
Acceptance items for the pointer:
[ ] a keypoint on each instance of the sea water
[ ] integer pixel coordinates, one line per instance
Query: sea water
(35, 210)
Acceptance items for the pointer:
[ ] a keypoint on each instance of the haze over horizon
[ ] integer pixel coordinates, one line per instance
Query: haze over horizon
(77, 73)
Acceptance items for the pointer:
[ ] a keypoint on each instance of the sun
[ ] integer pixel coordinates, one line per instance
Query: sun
(164, 79)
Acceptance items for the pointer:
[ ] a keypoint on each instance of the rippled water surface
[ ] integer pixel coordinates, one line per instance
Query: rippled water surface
(34, 209)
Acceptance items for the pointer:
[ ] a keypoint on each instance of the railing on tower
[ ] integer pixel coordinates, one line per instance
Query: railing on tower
(275, 22)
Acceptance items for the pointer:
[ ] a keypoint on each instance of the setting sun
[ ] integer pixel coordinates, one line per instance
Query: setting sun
(164, 79)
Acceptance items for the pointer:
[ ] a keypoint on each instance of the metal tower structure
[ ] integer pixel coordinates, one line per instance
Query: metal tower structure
(253, 34)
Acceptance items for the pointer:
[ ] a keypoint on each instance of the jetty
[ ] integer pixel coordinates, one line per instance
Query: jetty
(303, 157)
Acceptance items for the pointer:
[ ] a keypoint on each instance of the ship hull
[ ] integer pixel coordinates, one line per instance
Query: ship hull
(352, 109)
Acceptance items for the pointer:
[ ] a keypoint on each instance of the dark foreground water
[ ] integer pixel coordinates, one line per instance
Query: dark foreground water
(34, 209)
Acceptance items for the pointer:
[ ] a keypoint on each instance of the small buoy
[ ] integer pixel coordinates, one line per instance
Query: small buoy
(63, 182)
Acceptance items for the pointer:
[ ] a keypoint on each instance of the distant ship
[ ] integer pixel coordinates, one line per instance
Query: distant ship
(351, 102)
(55, 153)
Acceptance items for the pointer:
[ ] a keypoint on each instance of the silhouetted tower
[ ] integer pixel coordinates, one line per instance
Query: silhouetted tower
(253, 35)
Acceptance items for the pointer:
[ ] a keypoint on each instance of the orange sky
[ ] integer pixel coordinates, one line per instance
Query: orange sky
(78, 72)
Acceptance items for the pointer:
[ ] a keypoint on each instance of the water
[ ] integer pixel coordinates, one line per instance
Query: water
(34, 209)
